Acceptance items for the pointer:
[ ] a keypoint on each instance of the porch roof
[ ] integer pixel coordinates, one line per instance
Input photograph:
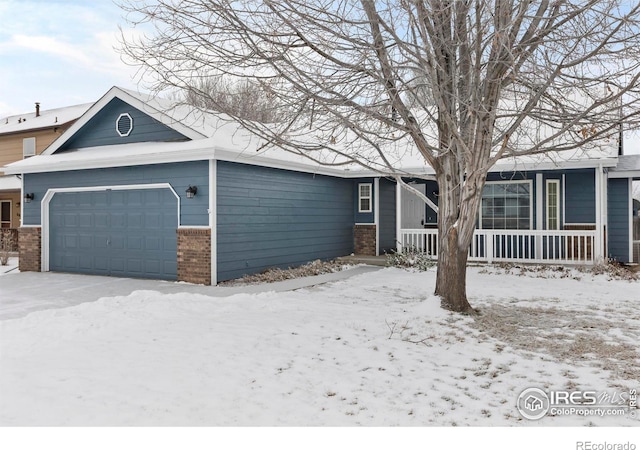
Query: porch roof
(628, 167)
(10, 183)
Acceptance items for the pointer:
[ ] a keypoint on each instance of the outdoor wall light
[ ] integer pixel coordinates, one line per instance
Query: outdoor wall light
(191, 191)
(28, 197)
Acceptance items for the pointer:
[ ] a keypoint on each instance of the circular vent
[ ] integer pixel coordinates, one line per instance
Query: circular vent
(124, 125)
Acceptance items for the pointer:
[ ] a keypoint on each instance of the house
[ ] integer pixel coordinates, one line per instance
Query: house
(138, 187)
(23, 136)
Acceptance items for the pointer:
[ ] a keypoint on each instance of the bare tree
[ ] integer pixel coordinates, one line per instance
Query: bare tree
(460, 83)
(247, 99)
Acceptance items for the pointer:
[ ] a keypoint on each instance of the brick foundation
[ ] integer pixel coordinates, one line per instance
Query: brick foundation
(364, 240)
(194, 255)
(29, 247)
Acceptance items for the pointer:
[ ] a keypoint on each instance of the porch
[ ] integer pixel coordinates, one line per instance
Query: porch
(524, 246)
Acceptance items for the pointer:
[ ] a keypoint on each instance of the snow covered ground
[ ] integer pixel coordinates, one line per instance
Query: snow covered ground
(11, 267)
(374, 349)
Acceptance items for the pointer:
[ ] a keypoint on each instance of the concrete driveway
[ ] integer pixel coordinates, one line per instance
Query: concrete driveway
(26, 292)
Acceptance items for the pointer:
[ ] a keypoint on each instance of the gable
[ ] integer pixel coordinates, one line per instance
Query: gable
(120, 123)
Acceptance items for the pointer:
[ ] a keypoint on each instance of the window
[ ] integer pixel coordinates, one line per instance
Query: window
(5, 214)
(553, 204)
(28, 147)
(506, 206)
(124, 125)
(364, 197)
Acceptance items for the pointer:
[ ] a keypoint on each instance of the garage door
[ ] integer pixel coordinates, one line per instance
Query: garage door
(127, 233)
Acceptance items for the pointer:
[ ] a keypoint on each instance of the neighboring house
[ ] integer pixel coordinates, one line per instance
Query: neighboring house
(23, 136)
(139, 188)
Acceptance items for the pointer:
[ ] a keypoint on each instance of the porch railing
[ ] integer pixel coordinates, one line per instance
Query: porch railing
(533, 246)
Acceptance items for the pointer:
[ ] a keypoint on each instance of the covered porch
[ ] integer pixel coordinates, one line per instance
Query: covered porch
(542, 217)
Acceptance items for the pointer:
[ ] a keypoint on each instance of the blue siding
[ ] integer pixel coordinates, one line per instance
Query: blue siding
(278, 218)
(101, 129)
(179, 175)
(618, 219)
(363, 217)
(580, 196)
(387, 234)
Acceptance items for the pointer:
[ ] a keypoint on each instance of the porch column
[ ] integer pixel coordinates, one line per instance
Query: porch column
(597, 245)
(398, 217)
(376, 212)
(539, 212)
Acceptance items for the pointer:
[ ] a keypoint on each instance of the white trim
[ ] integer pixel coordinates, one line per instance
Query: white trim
(548, 182)
(539, 201)
(582, 224)
(630, 214)
(598, 205)
(364, 223)
(191, 227)
(529, 182)
(563, 188)
(22, 203)
(31, 143)
(376, 211)
(118, 125)
(398, 217)
(604, 212)
(361, 197)
(44, 209)
(213, 219)
(624, 174)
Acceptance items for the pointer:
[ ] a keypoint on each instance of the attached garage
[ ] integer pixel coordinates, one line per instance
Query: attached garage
(120, 231)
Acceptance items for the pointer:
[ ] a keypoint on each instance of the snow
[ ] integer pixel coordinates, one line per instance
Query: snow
(47, 118)
(11, 267)
(10, 183)
(375, 349)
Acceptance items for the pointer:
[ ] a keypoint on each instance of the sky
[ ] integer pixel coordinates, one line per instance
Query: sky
(59, 53)
(63, 52)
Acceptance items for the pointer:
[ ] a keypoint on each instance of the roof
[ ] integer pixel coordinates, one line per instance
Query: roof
(10, 183)
(216, 136)
(628, 167)
(47, 118)
(183, 119)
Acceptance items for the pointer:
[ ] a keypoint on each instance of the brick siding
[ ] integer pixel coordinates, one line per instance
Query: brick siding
(29, 245)
(364, 240)
(194, 255)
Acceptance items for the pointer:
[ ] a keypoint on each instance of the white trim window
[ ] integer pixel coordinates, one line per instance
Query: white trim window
(506, 205)
(28, 147)
(553, 204)
(365, 205)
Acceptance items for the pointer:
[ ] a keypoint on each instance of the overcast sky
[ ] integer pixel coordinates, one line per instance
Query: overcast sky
(58, 53)
(62, 53)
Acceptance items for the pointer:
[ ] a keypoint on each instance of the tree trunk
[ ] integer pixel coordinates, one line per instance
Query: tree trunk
(451, 278)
